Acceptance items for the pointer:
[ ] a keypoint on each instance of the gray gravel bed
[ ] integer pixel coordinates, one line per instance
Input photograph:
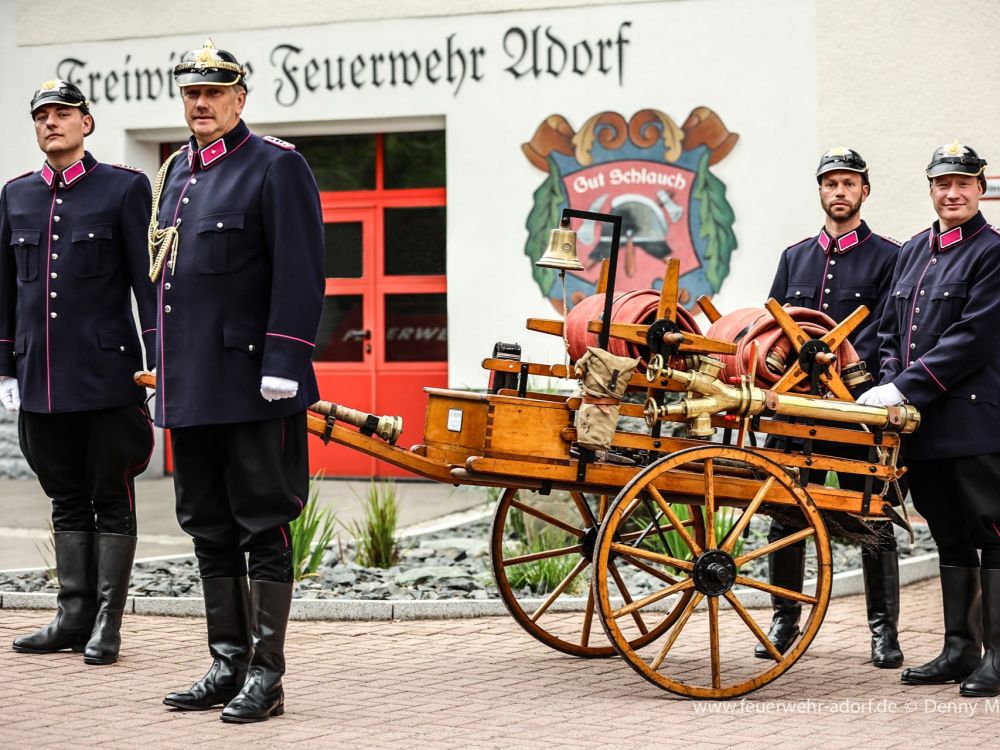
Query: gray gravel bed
(451, 564)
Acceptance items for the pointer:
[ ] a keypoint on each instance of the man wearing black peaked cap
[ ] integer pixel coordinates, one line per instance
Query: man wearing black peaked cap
(236, 253)
(939, 353)
(73, 241)
(835, 271)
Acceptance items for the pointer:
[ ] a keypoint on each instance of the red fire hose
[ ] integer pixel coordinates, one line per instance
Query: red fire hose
(775, 352)
(637, 307)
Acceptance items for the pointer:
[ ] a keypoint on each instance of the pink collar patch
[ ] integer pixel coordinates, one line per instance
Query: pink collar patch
(212, 153)
(73, 173)
(48, 174)
(824, 240)
(950, 237)
(848, 241)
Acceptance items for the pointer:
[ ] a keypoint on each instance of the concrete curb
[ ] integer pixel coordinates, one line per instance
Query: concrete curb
(847, 583)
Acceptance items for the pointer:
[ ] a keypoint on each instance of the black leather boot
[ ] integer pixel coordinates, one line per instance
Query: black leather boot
(262, 695)
(227, 614)
(115, 553)
(785, 568)
(984, 682)
(77, 599)
(960, 593)
(881, 574)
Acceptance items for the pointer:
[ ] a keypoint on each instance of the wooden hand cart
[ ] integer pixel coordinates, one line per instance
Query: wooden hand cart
(655, 536)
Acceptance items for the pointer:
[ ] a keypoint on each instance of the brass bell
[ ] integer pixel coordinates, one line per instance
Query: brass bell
(561, 252)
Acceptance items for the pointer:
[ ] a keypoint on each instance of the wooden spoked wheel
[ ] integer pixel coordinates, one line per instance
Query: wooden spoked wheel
(542, 549)
(708, 652)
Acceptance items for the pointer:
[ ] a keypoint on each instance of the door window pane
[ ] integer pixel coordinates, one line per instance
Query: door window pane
(415, 160)
(416, 328)
(341, 336)
(339, 162)
(344, 247)
(415, 241)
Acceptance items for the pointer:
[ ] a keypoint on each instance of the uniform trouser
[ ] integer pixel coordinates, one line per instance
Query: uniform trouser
(960, 498)
(238, 487)
(87, 462)
(885, 540)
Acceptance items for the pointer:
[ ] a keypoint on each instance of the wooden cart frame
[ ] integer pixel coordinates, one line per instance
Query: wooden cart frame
(677, 520)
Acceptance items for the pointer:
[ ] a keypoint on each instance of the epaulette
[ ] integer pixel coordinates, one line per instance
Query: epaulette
(126, 166)
(994, 228)
(796, 244)
(278, 142)
(19, 177)
(897, 243)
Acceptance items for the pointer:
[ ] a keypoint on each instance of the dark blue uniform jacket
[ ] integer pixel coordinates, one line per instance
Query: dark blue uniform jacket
(245, 296)
(836, 275)
(939, 338)
(72, 246)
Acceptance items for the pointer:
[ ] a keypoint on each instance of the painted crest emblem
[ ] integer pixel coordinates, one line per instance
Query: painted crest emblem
(654, 174)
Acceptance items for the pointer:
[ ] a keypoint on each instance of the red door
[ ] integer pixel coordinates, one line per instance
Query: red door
(383, 336)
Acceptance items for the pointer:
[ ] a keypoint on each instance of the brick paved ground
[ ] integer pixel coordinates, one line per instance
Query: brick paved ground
(483, 683)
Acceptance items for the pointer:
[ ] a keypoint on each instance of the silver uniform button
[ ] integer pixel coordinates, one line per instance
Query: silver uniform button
(54, 275)
(913, 346)
(55, 256)
(797, 294)
(53, 295)
(829, 276)
(55, 238)
(59, 201)
(20, 240)
(945, 294)
(933, 261)
(53, 315)
(121, 348)
(825, 306)
(186, 201)
(897, 292)
(166, 309)
(178, 222)
(916, 310)
(166, 286)
(833, 262)
(194, 180)
(973, 397)
(913, 328)
(921, 292)
(857, 294)
(826, 291)
(55, 218)
(251, 347)
(219, 225)
(90, 235)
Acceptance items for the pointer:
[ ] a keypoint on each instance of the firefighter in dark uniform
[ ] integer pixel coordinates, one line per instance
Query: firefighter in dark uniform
(938, 348)
(237, 256)
(73, 236)
(844, 266)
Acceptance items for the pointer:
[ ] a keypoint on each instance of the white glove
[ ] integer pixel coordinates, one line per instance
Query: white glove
(275, 389)
(881, 395)
(10, 396)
